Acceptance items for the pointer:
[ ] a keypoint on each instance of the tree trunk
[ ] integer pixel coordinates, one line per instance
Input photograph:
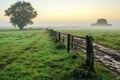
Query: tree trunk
(20, 27)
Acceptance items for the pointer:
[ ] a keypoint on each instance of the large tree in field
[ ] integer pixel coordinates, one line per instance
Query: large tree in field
(21, 14)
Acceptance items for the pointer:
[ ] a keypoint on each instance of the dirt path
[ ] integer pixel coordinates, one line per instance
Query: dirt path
(109, 58)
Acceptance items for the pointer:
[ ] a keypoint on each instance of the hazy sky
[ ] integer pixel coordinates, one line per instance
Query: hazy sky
(69, 11)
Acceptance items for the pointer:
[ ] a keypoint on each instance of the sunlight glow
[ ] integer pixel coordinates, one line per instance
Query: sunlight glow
(69, 10)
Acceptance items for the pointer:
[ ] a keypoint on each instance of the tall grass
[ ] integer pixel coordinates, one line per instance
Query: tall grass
(34, 56)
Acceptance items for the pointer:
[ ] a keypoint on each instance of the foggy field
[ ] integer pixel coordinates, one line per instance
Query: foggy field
(59, 40)
(53, 40)
(32, 55)
(106, 36)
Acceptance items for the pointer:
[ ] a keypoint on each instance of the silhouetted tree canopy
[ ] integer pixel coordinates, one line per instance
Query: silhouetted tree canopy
(21, 14)
(102, 21)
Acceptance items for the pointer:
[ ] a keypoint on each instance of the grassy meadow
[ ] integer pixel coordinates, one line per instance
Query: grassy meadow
(32, 55)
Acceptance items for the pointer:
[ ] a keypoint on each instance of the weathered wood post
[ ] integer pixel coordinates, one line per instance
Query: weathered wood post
(90, 53)
(55, 34)
(63, 40)
(59, 36)
(52, 32)
(68, 43)
(72, 41)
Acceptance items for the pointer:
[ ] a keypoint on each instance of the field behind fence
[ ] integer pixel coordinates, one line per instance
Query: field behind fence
(74, 42)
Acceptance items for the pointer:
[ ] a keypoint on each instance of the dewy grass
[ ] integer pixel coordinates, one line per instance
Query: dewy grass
(42, 61)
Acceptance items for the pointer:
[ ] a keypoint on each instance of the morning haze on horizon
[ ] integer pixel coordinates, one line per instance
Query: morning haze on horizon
(67, 12)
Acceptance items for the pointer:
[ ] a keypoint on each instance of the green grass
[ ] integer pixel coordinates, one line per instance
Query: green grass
(107, 38)
(32, 55)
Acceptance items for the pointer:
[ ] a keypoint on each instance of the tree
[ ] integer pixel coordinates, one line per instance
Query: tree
(102, 21)
(21, 14)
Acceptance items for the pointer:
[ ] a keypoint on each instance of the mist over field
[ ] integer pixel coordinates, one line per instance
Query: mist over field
(95, 28)
(59, 40)
(88, 27)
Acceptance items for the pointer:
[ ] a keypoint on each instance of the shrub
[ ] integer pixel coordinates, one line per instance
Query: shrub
(60, 46)
(82, 72)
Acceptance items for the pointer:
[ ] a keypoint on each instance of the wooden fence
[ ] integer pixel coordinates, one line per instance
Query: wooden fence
(77, 42)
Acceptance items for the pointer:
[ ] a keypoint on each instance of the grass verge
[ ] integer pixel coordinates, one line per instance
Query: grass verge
(43, 61)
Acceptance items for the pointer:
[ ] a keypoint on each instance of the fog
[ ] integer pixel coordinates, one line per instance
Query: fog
(63, 27)
(110, 28)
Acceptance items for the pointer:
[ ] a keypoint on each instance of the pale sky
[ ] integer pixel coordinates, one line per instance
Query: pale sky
(68, 11)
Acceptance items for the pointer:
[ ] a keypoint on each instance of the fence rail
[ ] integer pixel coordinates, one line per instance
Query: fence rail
(74, 41)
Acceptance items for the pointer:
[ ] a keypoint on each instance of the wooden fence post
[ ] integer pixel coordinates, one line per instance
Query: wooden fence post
(56, 34)
(68, 43)
(63, 39)
(59, 36)
(72, 41)
(52, 32)
(90, 53)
